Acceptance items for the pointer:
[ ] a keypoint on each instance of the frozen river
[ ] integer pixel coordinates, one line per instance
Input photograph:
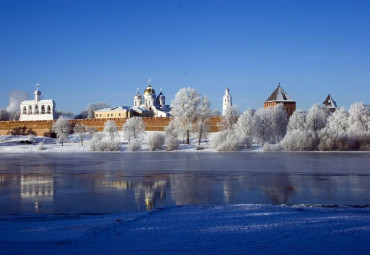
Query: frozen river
(97, 183)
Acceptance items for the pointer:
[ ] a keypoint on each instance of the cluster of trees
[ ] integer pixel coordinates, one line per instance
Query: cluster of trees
(316, 129)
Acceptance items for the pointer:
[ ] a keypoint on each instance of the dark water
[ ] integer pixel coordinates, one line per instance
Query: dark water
(121, 182)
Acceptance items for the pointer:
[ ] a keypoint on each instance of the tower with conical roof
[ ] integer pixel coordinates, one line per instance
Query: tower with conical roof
(226, 101)
(279, 96)
(330, 103)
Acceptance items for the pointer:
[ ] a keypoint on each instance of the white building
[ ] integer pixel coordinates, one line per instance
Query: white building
(37, 109)
(148, 105)
(226, 101)
(152, 102)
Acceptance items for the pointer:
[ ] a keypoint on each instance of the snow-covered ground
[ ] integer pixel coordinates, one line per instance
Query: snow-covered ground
(18, 144)
(233, 229)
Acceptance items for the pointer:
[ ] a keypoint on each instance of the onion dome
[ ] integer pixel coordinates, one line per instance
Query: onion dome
(138, 95)
(37, 91)
(149, 90)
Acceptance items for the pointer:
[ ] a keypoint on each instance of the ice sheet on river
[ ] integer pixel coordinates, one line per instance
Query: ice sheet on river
(233, 229)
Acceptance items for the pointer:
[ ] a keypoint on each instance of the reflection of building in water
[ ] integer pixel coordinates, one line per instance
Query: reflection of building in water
(227, 191)
(37, 187)
(149, 192)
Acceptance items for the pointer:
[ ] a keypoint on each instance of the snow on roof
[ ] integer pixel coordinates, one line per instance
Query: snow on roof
(44, 101)
(118, 108)
(329, 102)
(279, 95)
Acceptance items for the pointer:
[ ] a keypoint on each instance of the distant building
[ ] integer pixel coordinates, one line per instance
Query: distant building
(37, 109)
(149, 106)
(330, 103)
(279, 96)
(226, 101)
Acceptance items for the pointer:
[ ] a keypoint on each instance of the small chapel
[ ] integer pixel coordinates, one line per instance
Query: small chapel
(37, 109)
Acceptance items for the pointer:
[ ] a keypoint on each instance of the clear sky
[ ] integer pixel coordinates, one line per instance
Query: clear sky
(85, 52)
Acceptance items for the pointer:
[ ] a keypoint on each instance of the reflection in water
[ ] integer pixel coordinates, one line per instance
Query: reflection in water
(107, 183)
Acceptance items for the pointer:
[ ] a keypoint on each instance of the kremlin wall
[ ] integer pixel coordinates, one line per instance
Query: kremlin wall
(44, 126)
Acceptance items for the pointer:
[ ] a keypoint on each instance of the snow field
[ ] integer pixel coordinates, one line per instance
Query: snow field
(233, 229)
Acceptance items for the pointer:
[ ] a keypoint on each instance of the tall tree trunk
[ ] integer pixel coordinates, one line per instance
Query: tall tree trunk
(188, 136)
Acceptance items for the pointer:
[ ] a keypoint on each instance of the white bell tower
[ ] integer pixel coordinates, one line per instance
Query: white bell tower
(226, 101)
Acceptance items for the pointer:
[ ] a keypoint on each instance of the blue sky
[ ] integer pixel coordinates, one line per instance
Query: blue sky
(85, 52)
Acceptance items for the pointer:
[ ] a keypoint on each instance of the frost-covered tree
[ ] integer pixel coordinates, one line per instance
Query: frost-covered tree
(204, 113)
(297, 121)
(300, 140)
(228, 121)
(185, 110)
(226, 140)
(155, 140)
(80, 130)
(245, 127)
(133, 128)
(279, 123)
(338, 121)
(62, 128)
(110, 128)
(171, 142)
(262, 132)
(317, 118)
(359, 117)
(91, 108)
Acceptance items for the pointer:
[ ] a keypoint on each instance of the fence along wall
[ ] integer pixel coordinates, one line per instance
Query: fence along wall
(41, 127)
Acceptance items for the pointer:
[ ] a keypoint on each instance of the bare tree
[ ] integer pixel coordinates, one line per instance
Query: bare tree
(229, 120)
(62, 128)
(133, 128)
(81, 130)
(204, 114)
(91, 108)
(186, 108)
(110, 128)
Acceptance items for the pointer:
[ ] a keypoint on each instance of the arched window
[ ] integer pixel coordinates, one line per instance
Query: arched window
(24, 110)
(43, 109)
(49, 109)
(36, 109)
(30, 109)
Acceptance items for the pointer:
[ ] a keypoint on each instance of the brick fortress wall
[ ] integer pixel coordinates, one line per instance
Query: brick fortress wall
(44, 126)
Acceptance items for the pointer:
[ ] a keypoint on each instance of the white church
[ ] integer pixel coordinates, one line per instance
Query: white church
(37, 109)
(146, 105)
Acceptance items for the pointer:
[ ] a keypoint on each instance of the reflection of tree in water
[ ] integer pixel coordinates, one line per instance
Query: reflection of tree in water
(189, 189)
(278, 188)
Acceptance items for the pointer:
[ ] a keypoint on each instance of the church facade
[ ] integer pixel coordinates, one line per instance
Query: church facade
(37, 109)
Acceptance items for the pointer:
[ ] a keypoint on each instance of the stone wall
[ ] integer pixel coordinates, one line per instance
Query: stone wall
(44, 126)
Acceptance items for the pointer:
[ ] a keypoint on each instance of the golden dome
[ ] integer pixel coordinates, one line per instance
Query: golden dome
(149, 91)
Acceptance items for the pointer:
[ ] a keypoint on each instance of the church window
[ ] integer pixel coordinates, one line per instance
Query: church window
(43, 109)
(29, 109)
(24, 110)
(36, 109)
(49, 109)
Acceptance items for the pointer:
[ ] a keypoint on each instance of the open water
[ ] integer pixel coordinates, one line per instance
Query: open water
(95, 183)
